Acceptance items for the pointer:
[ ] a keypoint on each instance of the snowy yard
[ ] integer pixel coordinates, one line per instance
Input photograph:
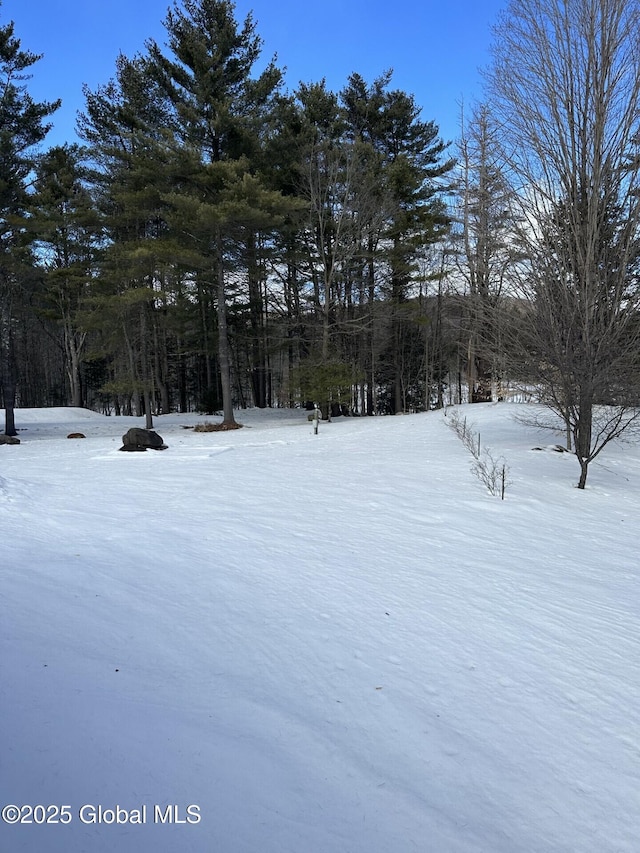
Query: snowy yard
(329, 644)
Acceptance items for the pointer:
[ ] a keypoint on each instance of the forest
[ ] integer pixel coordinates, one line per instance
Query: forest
(217, 242)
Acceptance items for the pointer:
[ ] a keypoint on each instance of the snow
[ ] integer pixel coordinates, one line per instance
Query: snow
(332, 643)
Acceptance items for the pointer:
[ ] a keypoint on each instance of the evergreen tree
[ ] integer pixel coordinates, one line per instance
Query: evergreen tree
(67, 230)
(414, 168)
(123, 124)
(22, 127)
(410, 172)
(219, 115)
(339, 185)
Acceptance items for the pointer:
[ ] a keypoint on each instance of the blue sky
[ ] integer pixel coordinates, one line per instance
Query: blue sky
(435, 47)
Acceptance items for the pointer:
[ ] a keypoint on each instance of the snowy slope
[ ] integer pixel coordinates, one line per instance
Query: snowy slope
(330, 644)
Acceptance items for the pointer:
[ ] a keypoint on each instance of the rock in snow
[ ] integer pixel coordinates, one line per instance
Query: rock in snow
(142, 439)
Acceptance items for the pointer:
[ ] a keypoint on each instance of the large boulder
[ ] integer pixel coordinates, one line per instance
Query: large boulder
(137, 439)
(9, 439)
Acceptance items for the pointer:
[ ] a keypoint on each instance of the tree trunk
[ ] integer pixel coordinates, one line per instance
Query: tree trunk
(583, 435)
(74, 343)
(478, 374)
(145, 369)
(398, 385)
(73, 372)
(584, 470)
(257, 317)
(148, 413)
(8, 382)
(223, 341)
(9, 420)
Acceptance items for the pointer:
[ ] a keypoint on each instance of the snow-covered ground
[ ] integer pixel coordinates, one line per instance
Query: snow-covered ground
(329, 644)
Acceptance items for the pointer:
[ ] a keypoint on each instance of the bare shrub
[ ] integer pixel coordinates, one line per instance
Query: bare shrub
(492, 472)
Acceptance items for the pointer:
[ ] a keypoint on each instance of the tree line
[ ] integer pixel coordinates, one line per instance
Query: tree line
(218, 242)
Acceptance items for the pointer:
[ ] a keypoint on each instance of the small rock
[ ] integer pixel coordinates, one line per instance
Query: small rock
(9, 439)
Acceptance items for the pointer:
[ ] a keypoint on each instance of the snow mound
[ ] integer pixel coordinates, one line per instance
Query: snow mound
(56, 414)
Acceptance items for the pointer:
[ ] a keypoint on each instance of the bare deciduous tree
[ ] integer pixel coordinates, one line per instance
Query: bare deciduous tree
(565, 83)
(483, 224)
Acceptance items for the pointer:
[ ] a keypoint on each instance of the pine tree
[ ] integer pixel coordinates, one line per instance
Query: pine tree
(67, 229)
(411, 171)
(219, 115)
(339, 185)
(123, 124)
(22, 127)
(415, 170)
